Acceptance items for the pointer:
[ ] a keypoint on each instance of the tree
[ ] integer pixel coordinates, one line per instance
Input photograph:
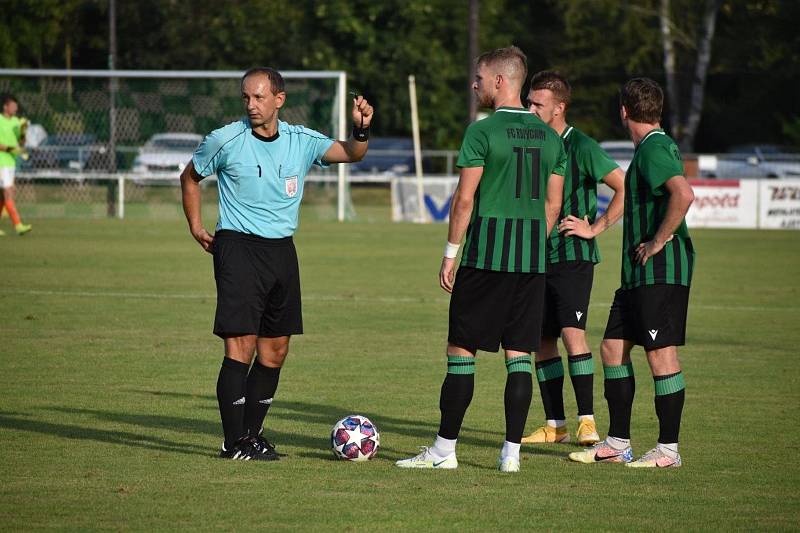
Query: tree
(684, 126)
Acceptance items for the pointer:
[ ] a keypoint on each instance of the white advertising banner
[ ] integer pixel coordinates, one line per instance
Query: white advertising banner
(438, 193)
(748, 203)
(723, 204)
(780, 204)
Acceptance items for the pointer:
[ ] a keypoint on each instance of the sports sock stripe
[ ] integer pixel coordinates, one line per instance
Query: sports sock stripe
(519, 364)
(580, 365)
(458, 364)
(618, 372)
(550, 369)
(669, 384)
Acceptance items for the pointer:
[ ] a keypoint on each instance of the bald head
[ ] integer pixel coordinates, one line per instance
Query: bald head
(509, 62)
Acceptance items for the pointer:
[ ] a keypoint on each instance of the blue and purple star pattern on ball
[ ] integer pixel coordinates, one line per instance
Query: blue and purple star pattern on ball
(355, 438)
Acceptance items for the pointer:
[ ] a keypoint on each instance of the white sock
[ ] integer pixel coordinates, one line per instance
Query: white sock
(556, 423)
(510, 449)
(581, 418)
(670, 450)
(444, 447)
(618, 444)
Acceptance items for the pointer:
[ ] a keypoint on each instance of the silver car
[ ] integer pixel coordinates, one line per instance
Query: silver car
(166, 154)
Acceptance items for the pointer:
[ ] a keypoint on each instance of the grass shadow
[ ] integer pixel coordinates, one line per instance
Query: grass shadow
(19, 422)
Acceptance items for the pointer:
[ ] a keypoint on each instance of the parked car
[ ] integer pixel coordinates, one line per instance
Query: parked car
(393, 156)
(166, 153)
(68, 151)
(756, 161)
(620, 151)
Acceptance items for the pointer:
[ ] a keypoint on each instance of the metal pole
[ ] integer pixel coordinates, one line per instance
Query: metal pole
(112, 110)
(121, 197)
(412, 92)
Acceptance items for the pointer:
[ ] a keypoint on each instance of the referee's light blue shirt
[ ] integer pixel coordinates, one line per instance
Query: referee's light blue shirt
(260, 181)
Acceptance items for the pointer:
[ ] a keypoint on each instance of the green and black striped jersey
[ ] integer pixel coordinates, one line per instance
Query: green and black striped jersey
(518, 152)
(656, 160)
(587, 165)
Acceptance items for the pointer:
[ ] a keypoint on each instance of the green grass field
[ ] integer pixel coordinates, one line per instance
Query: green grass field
(108, 416)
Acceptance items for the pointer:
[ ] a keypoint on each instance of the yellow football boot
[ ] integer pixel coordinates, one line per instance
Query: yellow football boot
(547, 434)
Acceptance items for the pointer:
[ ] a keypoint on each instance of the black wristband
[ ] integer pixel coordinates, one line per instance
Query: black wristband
(361, 134)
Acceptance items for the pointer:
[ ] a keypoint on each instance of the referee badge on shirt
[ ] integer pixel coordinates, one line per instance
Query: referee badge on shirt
(290, 185)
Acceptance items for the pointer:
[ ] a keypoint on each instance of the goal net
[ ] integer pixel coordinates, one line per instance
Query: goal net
(115, 142)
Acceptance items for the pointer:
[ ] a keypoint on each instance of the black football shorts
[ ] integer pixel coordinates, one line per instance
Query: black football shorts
(258, 286)
(489, 309)
(652, 316)
(566, 299)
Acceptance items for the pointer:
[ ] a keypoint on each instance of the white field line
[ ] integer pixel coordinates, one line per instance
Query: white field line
(336, 298)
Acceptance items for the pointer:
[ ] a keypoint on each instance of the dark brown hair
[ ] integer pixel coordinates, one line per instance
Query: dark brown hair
(276, 84)
(643, 99)
(553, 81)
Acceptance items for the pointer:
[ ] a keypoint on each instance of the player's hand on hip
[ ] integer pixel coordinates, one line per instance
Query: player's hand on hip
(362, 112)
(579, 227)
(205, 239)
(648, 249)
(447, 274)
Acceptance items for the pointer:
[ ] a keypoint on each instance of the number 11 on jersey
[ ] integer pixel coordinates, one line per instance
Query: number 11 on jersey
(535, 153)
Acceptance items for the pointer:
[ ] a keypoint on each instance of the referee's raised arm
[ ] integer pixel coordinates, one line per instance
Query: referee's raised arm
(354, 148)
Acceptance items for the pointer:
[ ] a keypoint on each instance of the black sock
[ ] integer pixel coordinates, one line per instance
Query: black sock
(550, 375)
(231, 399)
(581, 372)
(670, 394)
(456, 395)
(620, 387)
(262, 382)
(517, 397)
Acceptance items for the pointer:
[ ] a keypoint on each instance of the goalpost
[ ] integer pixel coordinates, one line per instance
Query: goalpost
(97, 121)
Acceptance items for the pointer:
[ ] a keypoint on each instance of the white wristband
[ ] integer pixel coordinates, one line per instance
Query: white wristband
(451, 250)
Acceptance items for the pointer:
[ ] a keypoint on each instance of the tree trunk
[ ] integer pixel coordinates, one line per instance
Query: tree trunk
(700, 74)
(474, 16)
(668, 44)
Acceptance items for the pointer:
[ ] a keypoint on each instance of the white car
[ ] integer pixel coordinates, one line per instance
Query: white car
(620, 151)
(166, 153)
(754, 161)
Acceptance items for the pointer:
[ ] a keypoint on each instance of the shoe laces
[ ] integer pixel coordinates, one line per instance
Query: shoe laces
(262, 443)
(652, 455)
(424, 452)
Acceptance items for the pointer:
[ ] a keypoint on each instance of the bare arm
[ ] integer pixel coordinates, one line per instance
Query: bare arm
(553, 200)
(190, 190)
(351, 150)
(460, 213)
(681, 197)
(581, 227)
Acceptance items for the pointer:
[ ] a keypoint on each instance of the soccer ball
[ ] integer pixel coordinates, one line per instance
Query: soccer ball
(355, 438)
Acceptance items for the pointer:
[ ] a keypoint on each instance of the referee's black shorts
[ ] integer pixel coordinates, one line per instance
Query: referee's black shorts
(652, 316)
(566, 301)
(489, 309)
(258, 286)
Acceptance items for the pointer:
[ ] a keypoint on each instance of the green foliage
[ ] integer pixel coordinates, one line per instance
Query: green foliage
(597, 43)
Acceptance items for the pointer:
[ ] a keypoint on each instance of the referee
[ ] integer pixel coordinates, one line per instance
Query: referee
(507, 201)
(261, 163)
